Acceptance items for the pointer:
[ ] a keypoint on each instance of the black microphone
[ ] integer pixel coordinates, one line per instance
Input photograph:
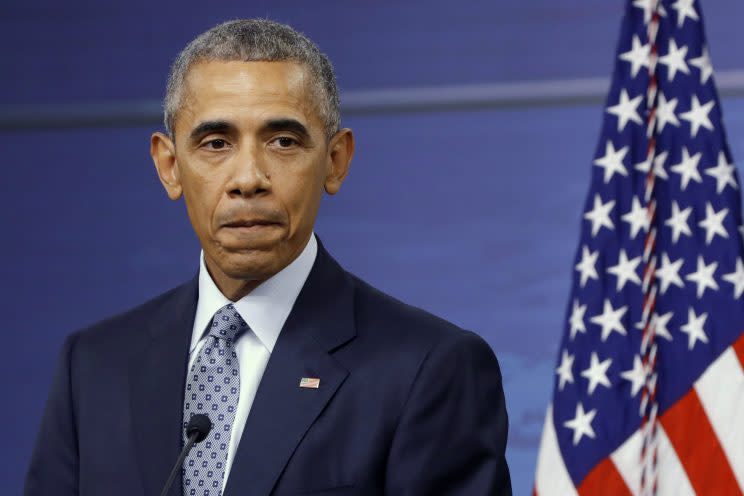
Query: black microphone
(197, 430)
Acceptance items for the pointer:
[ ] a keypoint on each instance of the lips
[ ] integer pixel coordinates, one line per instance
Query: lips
(247, 223)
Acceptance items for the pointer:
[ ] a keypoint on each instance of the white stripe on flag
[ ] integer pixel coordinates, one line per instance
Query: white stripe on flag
(672, 479)
(552, 476)
(627, 461)
(721, 391)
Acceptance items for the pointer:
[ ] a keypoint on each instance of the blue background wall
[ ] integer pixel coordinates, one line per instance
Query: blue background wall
(471, 214)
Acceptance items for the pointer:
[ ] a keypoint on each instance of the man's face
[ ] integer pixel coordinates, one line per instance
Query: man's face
(251, 160)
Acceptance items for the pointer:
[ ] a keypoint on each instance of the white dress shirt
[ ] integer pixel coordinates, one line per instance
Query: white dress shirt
(265, 309)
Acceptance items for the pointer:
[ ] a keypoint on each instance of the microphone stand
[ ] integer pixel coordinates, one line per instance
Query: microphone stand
(197, 430)
(179, 462)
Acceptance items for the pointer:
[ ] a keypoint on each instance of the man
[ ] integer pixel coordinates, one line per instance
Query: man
(314, 382)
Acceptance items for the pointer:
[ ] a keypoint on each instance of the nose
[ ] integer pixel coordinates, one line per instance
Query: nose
(249, 175)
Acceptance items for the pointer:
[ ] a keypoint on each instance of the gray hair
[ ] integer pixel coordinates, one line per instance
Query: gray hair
(253, 40)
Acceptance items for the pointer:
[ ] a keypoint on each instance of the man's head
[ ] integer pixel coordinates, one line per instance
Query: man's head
(251, 113)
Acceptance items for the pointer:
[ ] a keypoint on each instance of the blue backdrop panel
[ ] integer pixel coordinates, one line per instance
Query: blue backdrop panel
(87, 50)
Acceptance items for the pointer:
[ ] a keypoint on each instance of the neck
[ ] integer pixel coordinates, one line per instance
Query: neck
(233, 289)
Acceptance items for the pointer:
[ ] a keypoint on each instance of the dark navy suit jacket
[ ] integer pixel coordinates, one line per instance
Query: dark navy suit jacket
(408, 404)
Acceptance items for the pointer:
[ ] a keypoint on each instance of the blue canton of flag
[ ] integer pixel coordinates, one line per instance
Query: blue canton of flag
(643, 399)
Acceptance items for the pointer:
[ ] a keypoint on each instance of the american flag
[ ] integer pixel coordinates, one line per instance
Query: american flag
(649, 383)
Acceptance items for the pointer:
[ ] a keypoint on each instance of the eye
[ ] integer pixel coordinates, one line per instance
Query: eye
(284, 142)
(215, 144)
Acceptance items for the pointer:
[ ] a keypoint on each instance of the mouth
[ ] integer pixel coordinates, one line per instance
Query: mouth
(250, 225)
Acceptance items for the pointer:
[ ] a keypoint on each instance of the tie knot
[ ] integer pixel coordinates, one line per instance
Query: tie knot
(227, 323)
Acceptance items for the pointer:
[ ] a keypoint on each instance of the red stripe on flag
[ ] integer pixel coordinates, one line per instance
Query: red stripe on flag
(739, 349)
(604, 479)
(698, 448)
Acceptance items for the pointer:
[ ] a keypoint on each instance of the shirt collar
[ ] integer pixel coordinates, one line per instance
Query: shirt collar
(266, 308)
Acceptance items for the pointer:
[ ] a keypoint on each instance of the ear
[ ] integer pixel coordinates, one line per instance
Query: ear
(163, 153)
(341, 150)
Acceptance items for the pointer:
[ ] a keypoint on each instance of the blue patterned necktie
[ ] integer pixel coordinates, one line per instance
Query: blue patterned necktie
(213, 388)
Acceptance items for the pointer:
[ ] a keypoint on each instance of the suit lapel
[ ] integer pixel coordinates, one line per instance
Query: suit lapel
(321, 320)
(158, 378)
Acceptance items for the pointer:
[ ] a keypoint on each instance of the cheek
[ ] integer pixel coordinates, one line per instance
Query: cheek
(201, 194)
(302, 200)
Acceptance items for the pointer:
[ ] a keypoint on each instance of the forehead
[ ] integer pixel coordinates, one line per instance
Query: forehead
(247, 92)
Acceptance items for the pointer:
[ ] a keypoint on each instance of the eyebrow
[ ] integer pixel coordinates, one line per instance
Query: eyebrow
(208, 127)
(272, 126)
(287, 124)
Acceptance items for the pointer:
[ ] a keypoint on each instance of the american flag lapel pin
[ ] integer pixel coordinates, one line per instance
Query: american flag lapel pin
(310, 382)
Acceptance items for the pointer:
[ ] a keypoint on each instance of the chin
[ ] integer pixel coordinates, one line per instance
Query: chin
(251, 265)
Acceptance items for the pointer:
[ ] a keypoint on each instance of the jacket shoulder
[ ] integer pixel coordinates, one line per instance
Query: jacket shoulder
(392, 319)
(120, 327)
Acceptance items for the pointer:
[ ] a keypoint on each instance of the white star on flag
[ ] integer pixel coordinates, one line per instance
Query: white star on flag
(713, 223)
(564, 371)
(694, 328)
(636, 376)
(665, 112)
(638, 56)
(678, 222)
(648, 8)
(684, 10)
(703, 276)
(596, 374)
(697, 116)
(625, 270)
(668, 273)
(736, 278)
(581, 424)
(577, 319)
(723, 172)
(586, 265)
(609, 320)
(659, 324)
(675, 60)
(599, 216)
(637, 218)
(626, 110)
(687, 168)
(703, 63)
(612, 162)
(658, 165)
